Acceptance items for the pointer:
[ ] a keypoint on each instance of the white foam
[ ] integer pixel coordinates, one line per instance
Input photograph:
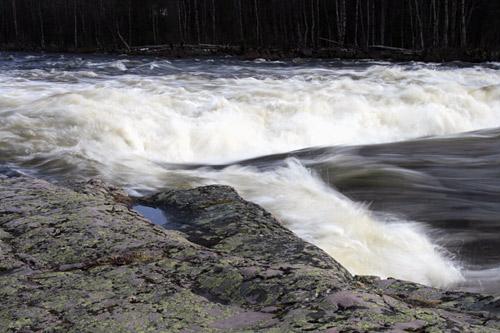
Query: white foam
(362, 243)
(191, 118)
(119, 64)
(130, 124)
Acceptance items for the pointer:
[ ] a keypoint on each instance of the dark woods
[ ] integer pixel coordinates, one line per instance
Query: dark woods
(125, 25)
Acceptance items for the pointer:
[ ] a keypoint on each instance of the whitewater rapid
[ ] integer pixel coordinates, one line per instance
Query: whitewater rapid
(137, 122)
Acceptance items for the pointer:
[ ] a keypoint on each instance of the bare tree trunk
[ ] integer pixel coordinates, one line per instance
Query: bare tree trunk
(420, 26)
(187, 21)
(306, 31)
(463, 39)
(435, 17)
(153, 23)
(240, 12)
(356, 19)
(327, 19)
(203, 19)
(257, 20)
(337, 15)
(76, 24)
(130, 22)
(373, 29)
(344, 21)
(341, 20)
(82, 21)
(313, 23)
(42, 31)
(412, 26)
(318, 15)
(299, 33)
(368, 25)
(401, 26)
(179, 19)
(382, 22)
(446, 24)
(98, 27)
(14, 14)
(121, 37)
(214, 36)
(284, 29)
(453, 22)
(470, 11)
(197, 19)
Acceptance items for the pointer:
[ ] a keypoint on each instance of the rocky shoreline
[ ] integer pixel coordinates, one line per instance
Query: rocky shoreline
(182, 51)
(77, 258)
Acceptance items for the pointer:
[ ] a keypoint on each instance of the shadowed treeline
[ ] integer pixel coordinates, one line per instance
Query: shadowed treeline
(111, 25)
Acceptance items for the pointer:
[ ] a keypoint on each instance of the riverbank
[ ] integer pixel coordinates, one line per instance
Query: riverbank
(76, 258)
(375, 52)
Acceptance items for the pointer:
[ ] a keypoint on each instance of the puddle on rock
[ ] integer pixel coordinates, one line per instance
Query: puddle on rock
(155, 215)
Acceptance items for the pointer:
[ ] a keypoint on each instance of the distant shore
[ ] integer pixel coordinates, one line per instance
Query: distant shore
(194, 50)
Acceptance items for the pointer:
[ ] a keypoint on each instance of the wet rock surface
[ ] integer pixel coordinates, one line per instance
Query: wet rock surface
(78, 259)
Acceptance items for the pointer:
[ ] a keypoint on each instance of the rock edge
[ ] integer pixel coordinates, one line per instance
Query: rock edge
(80, 260)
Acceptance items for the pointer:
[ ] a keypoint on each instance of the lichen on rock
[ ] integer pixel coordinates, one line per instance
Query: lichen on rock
(78, 259)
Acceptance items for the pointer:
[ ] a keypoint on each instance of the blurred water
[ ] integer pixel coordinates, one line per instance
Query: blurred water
(392, 168)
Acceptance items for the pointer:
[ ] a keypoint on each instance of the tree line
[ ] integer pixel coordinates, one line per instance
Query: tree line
(123, 24)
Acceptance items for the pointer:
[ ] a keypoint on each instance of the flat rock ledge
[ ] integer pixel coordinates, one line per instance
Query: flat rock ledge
(78, 259)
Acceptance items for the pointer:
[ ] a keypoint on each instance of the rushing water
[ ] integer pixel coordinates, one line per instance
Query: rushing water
(393, 169)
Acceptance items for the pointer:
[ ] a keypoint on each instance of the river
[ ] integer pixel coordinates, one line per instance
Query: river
(391, 168)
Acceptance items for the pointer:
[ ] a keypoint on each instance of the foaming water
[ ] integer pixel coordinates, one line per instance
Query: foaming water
(361, 242)
(213, 116)
(140, 123)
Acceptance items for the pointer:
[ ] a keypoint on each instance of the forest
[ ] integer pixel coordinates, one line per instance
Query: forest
(127, 25)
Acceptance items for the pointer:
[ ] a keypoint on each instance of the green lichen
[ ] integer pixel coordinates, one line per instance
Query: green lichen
(76, 260)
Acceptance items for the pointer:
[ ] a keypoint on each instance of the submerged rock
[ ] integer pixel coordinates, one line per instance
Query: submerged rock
(80, 260)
